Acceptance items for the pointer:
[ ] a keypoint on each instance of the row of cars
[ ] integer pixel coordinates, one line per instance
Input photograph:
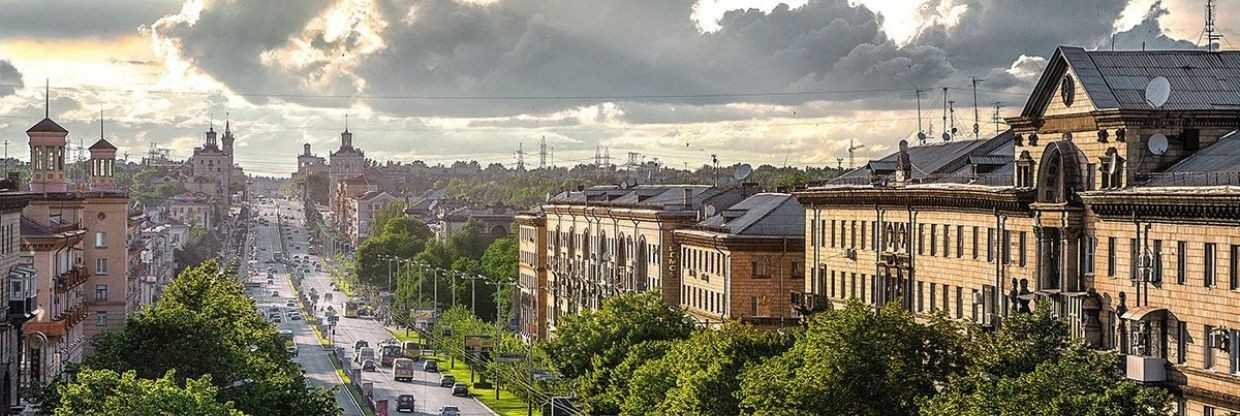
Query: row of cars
(405, 358)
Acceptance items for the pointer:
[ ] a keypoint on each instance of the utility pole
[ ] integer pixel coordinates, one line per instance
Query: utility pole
(976, 128)
(714, 161)
(996, 118)
(946, 129)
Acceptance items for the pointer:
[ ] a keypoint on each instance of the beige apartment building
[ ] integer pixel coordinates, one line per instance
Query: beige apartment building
(1119, 209)
(362, 210)
(605, 240)
(532, 272)
(20, 303)
(106, 217)
(745, 263)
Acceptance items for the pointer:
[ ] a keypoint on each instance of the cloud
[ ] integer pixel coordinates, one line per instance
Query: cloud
(10, 78)
(64, 19)
(569, 52)
(1148, 34)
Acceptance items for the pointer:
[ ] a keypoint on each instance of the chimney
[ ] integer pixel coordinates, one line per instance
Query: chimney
(688, 197)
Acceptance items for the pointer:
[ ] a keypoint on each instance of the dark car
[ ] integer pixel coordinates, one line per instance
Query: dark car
(370, 365)
(446, 380)
(404, 403)
(430, 367)
(449, 411)
(460, 390)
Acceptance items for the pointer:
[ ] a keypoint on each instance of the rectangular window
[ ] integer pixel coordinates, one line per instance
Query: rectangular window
(1207, 352)
(101, 319)
(1157, 273)
(921, 238)
(863, 235)
(1235, 351)
(760, 270)
(947, 242)
(947, 294)
(1234, 264)
(973, 307)
(1181, 342)
(101, 266)
(960, 302)
(1111, 256)
(975, 229)
(1208, 263)
(990, 244)
(813, 233)
(933, 288)
(874, 235)
(1021, 255)
(1207, 411)
(852, 286)
(832, 233)
(101, 239)
(934, 239)
(959, 241)
(1091, 170)
(833, 283)
(1181, 262)
(1088, 264)
(1134, 252)
(863, 288)
(101, 293)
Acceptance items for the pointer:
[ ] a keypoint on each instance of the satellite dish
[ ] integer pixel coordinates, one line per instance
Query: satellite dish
(1158, 91)
(921, 136)
(1157, 144)
(947, 137)
(742, 172)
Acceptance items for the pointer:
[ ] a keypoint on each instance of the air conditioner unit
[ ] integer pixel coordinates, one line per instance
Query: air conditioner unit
(850, 253)
(1219, 339)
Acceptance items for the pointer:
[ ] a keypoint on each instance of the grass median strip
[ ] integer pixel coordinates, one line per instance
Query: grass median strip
(508, 403)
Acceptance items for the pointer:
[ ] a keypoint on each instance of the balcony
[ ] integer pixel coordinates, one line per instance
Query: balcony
(22, 300)
(70, 279)
(1146, 369)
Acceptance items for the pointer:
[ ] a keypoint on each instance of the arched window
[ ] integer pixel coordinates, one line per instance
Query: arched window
(1059, 173)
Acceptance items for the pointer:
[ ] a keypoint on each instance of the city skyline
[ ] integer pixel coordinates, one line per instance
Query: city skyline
(773, 85)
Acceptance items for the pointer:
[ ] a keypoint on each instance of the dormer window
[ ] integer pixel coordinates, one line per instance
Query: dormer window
(1024, 171)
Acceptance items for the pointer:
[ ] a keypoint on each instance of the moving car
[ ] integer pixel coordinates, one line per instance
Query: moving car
(275, 293)
(449, 411)
(366, 353)
(294, 316)
(388, 352)
(291, 304)
(402, 369)
(369, 365)
(430, 366)
(404, 403)
(460, 390)
(446, 380)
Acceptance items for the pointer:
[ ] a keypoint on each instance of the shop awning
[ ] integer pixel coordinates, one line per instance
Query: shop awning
(1146, 313)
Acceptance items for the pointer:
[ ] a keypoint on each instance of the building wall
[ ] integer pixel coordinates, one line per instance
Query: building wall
(10, 255)
(649, 248)
(531, 263)
(721, 284)
(106, 255)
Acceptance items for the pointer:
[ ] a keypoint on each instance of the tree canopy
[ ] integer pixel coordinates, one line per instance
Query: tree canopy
(602, 338)
(108, 393)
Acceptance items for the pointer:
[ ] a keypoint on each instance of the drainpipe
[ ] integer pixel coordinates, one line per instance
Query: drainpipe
(912, 253)
(1000, 224)
(878, 216)
(815, 277)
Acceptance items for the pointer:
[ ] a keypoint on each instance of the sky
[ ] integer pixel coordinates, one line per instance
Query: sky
(794, 82)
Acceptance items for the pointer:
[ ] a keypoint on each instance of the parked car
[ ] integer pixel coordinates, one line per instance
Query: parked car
(369, 365)
(361, 343)
(460, 390)
(430, 366)
(449, 411)
(446, 380)
(292, 349)
(294, 316)
(275, 293)
(291, 304)
(405, 403)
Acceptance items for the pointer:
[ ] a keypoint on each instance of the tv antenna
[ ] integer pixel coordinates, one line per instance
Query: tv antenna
(976, 128)
(1208, 32)
(946, 134)
(852, 149)
(839, 162)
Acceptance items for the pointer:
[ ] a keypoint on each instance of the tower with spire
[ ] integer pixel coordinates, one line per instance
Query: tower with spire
(47, 152)
(347, 162)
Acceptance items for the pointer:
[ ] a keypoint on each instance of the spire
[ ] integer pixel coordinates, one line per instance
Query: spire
(47, 98)
(346, 122)
(227, 121)
(100, 124)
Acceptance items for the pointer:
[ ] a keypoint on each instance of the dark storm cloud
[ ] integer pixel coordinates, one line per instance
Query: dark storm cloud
(565, 49)
(10, 78)
(994, 33)
(61, 19)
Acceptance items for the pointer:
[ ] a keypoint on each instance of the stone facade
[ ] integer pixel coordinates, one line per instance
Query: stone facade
(532, 269)
(1137, 247)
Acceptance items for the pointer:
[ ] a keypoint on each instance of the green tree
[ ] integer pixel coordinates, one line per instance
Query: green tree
(1031, 366)
(602, 338)
(499, 262)
(700, 375)
(469, 241)
(107, 393)
(605, 391)
(205, 325)
(855, 361)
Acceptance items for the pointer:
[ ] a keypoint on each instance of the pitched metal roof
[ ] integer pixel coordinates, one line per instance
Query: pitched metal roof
(940, 160)
(103, 145)
(769, 214)
(1200, 80)
(1217, 164)
(46, 126)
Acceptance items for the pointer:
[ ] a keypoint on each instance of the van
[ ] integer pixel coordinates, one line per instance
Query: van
(366, 353)
(402, 369)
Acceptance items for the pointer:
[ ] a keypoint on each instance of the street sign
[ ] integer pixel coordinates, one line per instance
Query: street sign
(511, 358)
(479, 341)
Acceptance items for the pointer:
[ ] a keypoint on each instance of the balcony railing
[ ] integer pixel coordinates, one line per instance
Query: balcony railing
(73, 315)
(70, 279)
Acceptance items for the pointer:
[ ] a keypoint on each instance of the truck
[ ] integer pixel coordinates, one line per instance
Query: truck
(402, 369)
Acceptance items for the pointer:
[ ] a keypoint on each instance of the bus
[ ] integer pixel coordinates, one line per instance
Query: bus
(350, 309)
(402, 369)
(389, 353)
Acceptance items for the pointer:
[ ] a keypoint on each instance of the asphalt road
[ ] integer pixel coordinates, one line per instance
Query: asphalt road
(425, 386)
(312, 358)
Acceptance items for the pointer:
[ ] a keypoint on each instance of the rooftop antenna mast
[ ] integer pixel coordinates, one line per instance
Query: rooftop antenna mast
(839, 163)
(995, 118)
(521, 156)
(852, 151)
(1210, 34)
(542, 153)
(976, 128)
